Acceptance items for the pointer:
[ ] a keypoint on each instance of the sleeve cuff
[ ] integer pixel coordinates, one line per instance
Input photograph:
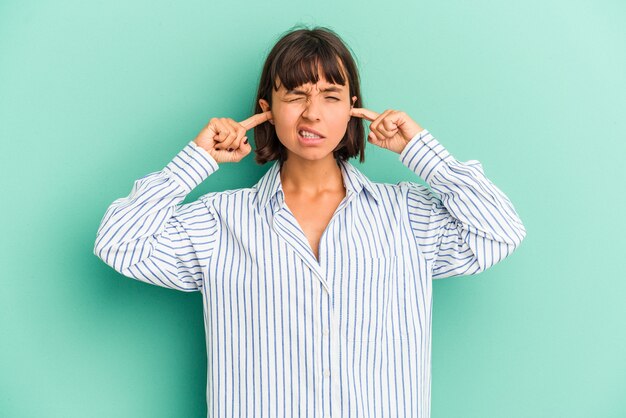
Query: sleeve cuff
(423, 155)
(191, 166)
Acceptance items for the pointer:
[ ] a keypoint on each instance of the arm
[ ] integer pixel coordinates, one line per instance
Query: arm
(471, 225)
(148, 236)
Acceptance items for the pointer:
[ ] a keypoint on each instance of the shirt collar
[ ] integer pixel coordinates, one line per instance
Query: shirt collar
(270, 184)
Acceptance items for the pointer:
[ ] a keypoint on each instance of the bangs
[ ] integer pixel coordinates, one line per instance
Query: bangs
(296, 69)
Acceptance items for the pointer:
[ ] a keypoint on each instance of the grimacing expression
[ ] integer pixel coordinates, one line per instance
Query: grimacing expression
(323, 107)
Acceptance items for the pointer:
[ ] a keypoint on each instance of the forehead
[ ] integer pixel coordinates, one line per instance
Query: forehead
(322, 85)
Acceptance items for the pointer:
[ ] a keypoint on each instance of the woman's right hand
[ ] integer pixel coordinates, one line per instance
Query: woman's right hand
(222, 134)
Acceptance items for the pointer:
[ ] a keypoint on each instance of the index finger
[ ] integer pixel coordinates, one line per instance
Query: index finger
(361, 112)
(257, 119)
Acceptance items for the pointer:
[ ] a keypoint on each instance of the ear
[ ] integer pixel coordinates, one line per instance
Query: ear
(265, 106)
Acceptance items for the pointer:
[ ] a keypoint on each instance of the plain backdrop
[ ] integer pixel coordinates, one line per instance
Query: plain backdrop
(95, 94)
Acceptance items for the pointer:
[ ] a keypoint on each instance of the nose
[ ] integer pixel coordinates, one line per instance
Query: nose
(311, 109)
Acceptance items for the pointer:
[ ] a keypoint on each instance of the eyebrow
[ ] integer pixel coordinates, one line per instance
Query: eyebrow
(327, 89)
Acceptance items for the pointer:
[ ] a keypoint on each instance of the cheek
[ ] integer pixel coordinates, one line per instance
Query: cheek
(339, 118)
(282, 116)
(285, 121)
(286, 118)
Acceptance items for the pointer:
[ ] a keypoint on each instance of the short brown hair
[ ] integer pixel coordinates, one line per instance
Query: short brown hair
(294, 60)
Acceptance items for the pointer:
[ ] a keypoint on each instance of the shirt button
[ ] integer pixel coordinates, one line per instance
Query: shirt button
(325, 332)
(326, 373)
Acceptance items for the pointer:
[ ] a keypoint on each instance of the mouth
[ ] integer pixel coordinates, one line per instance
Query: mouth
(309, 136)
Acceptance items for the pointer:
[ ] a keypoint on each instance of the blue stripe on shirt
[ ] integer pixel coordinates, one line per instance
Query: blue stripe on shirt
(288, 334)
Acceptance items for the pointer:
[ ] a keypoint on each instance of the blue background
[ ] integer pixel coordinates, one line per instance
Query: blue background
(94, 95)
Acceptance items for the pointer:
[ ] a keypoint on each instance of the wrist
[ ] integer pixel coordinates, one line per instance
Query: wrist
(415, 135)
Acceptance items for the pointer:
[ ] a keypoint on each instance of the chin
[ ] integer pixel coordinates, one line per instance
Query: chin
(311, 154)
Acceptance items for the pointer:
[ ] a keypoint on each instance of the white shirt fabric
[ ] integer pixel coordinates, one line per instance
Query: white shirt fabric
(288, 335)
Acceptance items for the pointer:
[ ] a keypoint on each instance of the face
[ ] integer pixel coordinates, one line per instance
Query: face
(322, 107)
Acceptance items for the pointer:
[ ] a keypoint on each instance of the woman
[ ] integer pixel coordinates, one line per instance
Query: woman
(316, 282)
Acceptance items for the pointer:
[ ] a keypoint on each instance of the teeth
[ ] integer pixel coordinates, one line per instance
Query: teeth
(306, 134)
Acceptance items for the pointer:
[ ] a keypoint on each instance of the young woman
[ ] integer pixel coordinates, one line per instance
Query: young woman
(316, 281)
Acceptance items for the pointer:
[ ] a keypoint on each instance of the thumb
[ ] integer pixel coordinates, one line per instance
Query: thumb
(243, 150)
(373, 139)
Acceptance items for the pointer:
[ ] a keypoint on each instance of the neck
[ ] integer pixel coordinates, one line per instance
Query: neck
(311, 178)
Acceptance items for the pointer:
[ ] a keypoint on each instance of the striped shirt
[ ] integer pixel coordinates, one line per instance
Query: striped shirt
(288, 335)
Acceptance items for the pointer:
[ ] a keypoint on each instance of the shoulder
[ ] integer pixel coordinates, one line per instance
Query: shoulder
(228, 199)
(402, 189)
(406, 194)
(411, 188)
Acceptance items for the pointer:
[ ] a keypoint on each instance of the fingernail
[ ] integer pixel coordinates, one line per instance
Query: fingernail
(230, 149)
(246, 141)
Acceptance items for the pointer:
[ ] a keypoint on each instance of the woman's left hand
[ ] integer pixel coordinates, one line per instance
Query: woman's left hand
(391, 130)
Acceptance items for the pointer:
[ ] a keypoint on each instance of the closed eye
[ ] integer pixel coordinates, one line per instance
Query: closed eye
(300, 98)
